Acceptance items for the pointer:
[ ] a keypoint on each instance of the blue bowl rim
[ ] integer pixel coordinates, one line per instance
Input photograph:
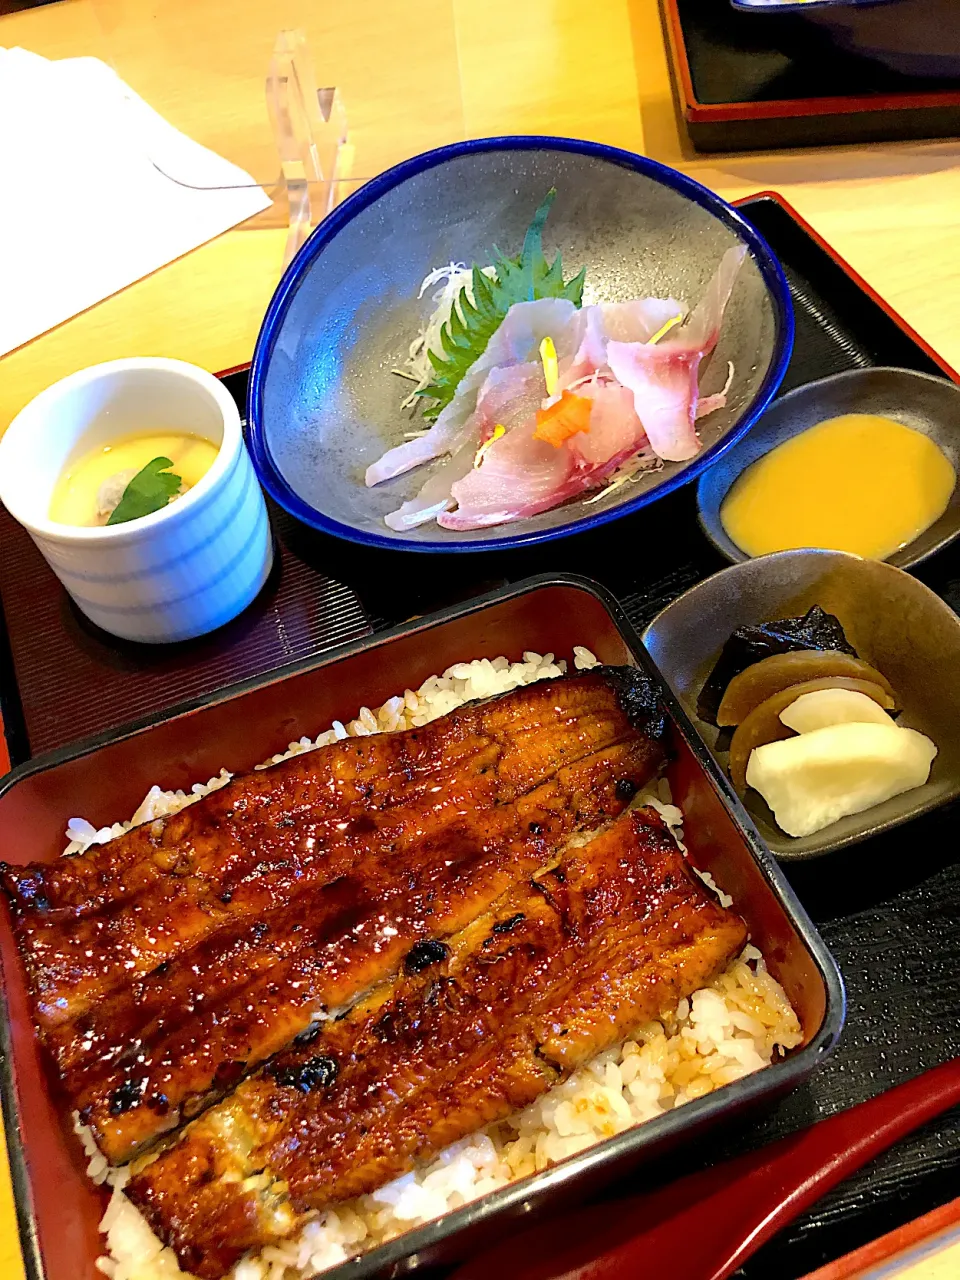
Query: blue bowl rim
(269, 473)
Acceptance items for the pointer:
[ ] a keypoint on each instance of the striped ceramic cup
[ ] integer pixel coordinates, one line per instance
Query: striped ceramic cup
(178, 573)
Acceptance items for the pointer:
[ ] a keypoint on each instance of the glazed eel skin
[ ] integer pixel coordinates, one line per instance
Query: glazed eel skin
(565, 964)
(167, 964)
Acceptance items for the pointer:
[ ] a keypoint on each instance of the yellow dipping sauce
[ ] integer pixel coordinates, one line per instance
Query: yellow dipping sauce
(856, 483)
(77, 498)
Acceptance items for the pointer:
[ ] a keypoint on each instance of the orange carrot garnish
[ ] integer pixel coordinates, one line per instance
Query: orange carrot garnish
(564, 418)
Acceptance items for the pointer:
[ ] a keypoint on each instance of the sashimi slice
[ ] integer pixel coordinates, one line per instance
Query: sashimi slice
(591, 352)
(634, 321)
(702, 327)
(663, 384)
(516, 341)
(615, 430)
(639, 319)
(509, 396)
(434, 497)
(663, 375)
(519, 476)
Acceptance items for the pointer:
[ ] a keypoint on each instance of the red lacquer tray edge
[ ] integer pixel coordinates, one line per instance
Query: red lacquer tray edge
(907, 1246)
(854, 275)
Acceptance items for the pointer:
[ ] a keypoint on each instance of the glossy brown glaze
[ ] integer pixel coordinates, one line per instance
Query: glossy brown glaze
(326, 953)
(327, 906)
(152, 892)
(564, 965)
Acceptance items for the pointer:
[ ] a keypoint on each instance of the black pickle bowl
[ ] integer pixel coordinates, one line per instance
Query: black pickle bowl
(58, 1207)
(893, 621)
(918, 400)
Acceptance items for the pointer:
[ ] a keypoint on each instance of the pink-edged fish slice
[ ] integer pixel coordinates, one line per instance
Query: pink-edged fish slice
(510, 395)
(706, 1225)
(515, 341)
(616, 433)
(520, 476)
(663, 375)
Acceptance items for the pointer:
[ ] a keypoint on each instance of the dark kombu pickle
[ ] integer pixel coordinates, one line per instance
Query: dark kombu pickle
(817, 629)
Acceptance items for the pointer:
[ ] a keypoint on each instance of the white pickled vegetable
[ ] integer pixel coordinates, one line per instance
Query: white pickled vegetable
(816, 778)
(824, 707)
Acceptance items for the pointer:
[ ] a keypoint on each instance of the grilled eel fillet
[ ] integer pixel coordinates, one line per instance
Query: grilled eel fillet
(167, 964)
(564, 965)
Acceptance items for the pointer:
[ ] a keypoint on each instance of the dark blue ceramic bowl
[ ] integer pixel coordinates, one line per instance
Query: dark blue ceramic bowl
(323, 403)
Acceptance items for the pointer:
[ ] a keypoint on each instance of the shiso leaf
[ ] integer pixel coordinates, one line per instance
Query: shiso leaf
(150, 489)
(524, 278)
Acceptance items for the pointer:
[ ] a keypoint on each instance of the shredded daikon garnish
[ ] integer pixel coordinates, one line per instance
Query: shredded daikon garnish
(451, 278)
(629, 472)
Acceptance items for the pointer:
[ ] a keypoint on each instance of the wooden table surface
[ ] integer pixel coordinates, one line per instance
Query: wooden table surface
(415, 74)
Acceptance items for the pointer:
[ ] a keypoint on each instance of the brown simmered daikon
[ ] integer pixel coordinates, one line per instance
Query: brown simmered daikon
(763, 723)
(763, 679)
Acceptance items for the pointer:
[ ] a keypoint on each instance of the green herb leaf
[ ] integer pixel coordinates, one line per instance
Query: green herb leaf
(148, 491)
(472, 324)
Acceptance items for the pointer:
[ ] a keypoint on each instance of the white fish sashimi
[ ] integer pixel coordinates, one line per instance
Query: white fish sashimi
(663, 375)
(645, 398)
(662, 384)
(509, 395)
(615, 430)
(640, 319)
(519, 477)
(434, 498)
(702, 328)
(516, 341)
(591, 351)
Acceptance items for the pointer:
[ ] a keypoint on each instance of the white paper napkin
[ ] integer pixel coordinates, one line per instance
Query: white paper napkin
(87, 201)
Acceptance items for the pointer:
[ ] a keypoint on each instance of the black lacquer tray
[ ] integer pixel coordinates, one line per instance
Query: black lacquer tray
(751, 81)
(889, 909)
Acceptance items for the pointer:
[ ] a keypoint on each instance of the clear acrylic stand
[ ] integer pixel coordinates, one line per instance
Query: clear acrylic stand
(243, 86)
(310, 131)
(309, 134)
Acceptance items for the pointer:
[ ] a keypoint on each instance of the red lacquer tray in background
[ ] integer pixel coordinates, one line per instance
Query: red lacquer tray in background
(752, 81)
(59, 1208)
(898, 1253)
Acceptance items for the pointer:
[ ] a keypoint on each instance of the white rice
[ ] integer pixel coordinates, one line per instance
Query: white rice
(736, 1025)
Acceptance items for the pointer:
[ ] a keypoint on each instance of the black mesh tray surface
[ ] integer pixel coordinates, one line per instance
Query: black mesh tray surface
(889, 909)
